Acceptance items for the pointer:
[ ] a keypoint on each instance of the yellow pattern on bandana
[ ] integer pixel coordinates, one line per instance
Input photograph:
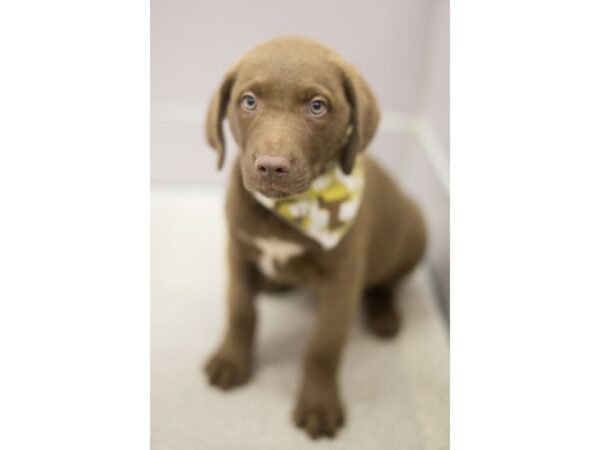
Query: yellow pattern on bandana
(327, 210)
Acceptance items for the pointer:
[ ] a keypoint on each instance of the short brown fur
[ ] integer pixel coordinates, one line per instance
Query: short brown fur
(386, 241)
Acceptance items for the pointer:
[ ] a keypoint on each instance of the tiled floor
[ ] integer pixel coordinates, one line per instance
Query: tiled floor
(396, 392)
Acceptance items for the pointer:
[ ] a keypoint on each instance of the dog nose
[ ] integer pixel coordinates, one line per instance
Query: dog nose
(272, 166)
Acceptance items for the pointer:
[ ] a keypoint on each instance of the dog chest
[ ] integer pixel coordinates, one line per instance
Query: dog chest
(275, 253)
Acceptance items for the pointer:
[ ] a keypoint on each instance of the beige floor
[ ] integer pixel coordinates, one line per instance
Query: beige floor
(396, 392)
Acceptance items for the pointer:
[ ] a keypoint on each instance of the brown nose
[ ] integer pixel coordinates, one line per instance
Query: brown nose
(272, 166)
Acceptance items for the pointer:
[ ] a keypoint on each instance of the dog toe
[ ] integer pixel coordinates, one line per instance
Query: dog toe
(319, 420)
(313, 425)
(225, 373)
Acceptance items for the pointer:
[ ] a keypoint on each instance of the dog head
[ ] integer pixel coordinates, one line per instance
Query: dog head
(294, 108)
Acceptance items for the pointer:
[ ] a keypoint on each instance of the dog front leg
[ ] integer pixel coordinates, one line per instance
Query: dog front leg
(318, 407)
(231, 364)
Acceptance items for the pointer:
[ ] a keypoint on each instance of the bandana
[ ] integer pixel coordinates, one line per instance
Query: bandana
(327, 210)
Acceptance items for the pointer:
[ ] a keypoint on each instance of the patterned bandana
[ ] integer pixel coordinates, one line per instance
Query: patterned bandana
(327, 210)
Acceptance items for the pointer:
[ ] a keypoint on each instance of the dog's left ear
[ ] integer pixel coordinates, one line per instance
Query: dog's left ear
(364, 116)
(217, 110)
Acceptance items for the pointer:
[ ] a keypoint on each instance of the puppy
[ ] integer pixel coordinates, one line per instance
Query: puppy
(305, 206)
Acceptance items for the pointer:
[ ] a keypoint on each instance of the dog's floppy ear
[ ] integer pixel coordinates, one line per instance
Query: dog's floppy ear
(364, 116)
(217, 110)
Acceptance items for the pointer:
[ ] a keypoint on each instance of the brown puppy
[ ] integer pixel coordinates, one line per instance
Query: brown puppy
(295, 109)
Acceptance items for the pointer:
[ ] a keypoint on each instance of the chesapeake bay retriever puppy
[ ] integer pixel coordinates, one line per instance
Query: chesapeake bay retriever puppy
(304, 206)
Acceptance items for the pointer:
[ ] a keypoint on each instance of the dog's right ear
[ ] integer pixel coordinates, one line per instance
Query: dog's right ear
(217, 110)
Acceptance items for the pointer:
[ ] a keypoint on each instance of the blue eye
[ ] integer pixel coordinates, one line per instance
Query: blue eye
(249, 102)
(317, 107)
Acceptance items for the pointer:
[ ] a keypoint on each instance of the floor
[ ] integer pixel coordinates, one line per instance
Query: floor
(396, 393)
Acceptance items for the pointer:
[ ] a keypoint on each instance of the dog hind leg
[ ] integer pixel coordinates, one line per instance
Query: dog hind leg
(381, 315)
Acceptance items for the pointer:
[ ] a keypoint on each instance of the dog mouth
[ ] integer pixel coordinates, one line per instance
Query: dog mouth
(276, 187)
(273, 192)
(278, 190)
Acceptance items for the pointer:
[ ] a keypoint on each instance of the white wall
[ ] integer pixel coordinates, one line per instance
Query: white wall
(400, 46)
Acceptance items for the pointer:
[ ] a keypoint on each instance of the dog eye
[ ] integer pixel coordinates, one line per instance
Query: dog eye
(249, 102)
(317, 107)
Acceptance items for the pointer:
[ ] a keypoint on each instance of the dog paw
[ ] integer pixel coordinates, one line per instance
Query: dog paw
(226, 372)
(319, 415)
(385, 326)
